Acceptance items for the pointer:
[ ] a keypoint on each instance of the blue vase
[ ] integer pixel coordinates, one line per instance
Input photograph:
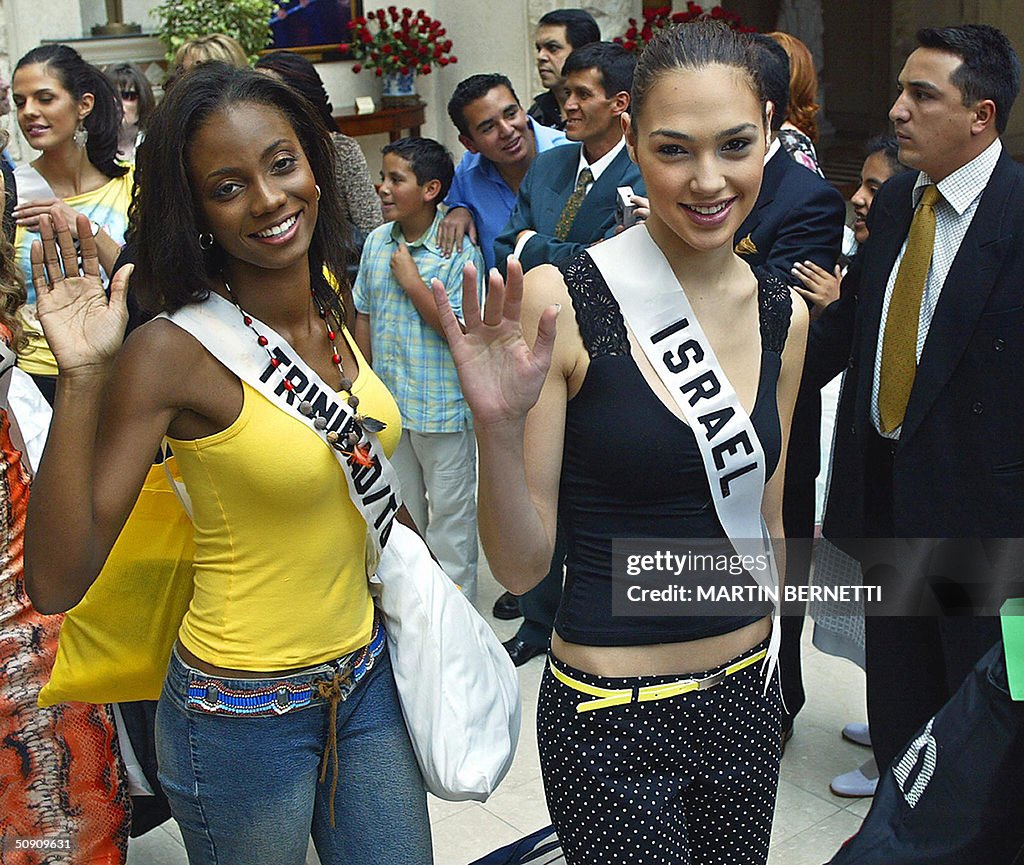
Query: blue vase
(399, 89)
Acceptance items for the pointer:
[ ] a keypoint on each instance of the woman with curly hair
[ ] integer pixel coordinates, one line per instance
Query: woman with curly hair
(281, 630)
(799, 133)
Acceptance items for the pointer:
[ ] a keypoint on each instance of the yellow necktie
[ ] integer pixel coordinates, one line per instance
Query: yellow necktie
(899, 346)
(572, 206)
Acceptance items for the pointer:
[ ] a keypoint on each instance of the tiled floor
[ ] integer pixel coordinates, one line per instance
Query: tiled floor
(810, 823)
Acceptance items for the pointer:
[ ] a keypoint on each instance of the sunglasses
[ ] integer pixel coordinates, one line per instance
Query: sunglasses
(129, 95)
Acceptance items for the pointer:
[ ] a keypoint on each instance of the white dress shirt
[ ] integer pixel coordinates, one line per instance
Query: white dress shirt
(954, 212)
(597, 168)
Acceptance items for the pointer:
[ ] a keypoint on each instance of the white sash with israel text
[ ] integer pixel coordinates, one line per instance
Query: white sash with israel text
(457, 686)
(662, 320)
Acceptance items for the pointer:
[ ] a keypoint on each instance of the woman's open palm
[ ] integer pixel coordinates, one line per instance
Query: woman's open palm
(501, 376)
(82, 327)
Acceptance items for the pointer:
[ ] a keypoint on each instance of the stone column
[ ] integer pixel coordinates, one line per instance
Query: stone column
(804, 20)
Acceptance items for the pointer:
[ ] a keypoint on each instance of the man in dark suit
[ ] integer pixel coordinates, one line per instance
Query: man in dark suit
(565, 203)
(929, 439)
(559, 33)
(567, 199)
(797, 217)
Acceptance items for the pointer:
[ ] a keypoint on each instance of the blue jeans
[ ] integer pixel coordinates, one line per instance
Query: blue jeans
(246, 789)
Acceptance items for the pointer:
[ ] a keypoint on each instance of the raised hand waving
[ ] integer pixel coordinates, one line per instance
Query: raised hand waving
(501, 376)
(83, 327)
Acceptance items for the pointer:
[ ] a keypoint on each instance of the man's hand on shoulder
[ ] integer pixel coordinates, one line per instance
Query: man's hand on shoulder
(457, 223)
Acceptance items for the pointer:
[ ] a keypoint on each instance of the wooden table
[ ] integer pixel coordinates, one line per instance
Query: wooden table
(389, 120)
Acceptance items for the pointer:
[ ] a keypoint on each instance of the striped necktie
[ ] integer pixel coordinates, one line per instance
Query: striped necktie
(899, 345)
(572, 206)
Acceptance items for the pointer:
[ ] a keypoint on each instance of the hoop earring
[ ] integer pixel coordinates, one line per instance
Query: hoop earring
(317, 188)
(205, 240)
(81, 136)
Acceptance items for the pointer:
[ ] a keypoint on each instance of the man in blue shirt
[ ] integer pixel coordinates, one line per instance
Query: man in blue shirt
(502, 142)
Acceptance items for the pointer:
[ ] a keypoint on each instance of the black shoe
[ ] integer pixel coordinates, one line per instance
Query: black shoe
(506, 607)
(521, 652)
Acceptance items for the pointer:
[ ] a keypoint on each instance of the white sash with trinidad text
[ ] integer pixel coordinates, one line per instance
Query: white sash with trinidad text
(660, 316)
(218, 325)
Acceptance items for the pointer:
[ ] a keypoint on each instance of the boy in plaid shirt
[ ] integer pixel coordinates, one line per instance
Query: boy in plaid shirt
(399, 332)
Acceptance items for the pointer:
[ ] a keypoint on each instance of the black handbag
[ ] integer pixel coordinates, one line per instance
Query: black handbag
(955, 795)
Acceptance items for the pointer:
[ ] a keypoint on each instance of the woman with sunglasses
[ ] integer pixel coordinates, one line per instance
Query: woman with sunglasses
(138, 103)
(70, 112)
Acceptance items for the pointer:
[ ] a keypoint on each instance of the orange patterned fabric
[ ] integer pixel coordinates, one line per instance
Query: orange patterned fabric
(60, 774)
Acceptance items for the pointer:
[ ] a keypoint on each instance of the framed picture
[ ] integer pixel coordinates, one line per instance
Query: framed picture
(315, 28)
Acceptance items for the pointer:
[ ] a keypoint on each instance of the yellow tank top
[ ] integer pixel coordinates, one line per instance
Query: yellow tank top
(280, 578)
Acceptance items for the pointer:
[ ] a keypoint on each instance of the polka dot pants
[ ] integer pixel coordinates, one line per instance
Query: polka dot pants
(688, 780)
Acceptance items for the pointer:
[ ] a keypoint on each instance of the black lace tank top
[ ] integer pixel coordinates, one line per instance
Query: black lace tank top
(632, 469)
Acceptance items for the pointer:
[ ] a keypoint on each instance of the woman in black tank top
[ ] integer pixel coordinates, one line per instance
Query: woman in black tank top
(659, 736)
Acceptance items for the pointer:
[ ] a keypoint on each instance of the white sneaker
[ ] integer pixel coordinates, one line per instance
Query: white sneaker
(857, 784)
(858, 733)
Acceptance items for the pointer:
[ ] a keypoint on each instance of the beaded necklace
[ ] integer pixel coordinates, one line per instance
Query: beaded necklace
(363, 423)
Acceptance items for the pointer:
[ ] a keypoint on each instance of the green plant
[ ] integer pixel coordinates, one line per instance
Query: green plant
(248, 21)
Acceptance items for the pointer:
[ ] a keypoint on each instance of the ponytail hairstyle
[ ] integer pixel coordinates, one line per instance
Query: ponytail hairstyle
(692, 46)
(79, 78)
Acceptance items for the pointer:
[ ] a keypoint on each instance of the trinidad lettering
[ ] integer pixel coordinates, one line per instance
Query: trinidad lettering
(705, 385)
(376, 497)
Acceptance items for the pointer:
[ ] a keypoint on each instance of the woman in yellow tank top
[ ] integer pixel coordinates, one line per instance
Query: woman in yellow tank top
(279, 647)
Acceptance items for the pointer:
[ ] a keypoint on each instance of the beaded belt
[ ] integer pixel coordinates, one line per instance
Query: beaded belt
(607, 697)
(280, 696)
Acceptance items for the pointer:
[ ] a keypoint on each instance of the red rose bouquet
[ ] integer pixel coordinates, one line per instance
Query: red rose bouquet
(641, 32)
(403, 42)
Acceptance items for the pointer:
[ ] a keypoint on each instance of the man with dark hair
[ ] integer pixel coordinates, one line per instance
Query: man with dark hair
(559, 33)
(598, 79)
(797, 217)
(502, 142)
(928, 432)
(565, 203)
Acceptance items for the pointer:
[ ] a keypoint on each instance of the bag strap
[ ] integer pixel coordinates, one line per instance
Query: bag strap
(667, 330)
(217, 324)
(178, 486)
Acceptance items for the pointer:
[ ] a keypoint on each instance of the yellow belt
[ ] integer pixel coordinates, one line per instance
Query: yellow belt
(607, 697)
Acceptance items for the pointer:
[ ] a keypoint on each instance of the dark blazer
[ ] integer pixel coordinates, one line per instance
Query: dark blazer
(797, 217)
(959, 466)
(542, 197)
